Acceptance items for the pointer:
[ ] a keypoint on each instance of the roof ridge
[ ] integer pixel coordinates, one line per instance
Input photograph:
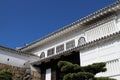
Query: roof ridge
(81, 21)
(17, 51)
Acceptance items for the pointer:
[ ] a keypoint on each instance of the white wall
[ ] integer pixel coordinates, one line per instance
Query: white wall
(48, 74)
(104, 52)
(101, 30)
(91, 33)
(118, 20)
(101, 53)
(44, 48)
(14, 59)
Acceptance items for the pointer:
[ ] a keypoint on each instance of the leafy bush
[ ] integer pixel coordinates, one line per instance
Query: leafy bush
(5, 75)
(67, 67)
(95, 68)
(79, 75)
(75, 72)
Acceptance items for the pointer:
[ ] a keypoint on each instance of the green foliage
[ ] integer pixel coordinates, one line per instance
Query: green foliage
(95, 68)
(79, 75)
(67, 67)
(75, 72)
(5, 75)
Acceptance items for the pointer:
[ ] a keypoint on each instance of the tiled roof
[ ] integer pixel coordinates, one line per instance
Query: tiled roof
(78, 48)
(16, 51)
(98, 14)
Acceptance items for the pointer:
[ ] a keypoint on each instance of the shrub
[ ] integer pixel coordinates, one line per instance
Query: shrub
(95, 68)
(5, 75)
(75, 72)
(78, 76)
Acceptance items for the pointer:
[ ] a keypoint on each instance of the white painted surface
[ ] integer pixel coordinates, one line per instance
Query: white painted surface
(101, 31)
(113, 69)
(56, 43)
(104, 52)
(100, 53)
(91, 34)
(48, 74)
(14, 59)
(118, 24)
(118, 20)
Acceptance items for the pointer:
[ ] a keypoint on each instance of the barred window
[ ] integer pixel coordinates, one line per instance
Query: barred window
(113, 68)
(42, 55)
(70, 44)
(81, 41)
(50, 51)
(60, 48)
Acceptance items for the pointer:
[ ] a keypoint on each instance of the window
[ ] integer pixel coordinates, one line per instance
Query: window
(113, 68)
(70, 44)
(8, 59)
(50, 52)
(81, 41)
(42, 55)
(60, 48)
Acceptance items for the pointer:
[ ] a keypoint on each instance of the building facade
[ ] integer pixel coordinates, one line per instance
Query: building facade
(15, 58)
(95, 38)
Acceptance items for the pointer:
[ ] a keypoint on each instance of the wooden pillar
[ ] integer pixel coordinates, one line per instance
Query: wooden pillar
(53, 76)
(54, 69)
(42, 74)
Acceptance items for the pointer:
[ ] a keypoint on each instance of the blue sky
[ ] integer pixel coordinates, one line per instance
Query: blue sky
(24, 21)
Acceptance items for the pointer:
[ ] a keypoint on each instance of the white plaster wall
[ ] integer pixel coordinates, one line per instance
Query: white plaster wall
(104, 52)
(14, 59)
(118, 21)
(64, 40)
(99, 53)
(48, 74)
(94, 32)
(116, 77)
(101, 30)
(90, 35)
(113, 69)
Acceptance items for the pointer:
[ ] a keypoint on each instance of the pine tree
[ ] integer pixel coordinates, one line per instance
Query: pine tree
(76, 72)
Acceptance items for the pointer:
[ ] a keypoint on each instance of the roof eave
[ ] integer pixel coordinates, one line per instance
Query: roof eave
(78, 48)
(112, 8)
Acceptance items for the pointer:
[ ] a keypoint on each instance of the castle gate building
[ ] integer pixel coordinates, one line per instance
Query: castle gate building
(94, 38)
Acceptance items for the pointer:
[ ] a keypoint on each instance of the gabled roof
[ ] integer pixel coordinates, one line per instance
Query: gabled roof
(107, 10)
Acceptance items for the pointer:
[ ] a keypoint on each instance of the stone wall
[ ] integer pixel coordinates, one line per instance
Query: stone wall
(18, 72)
(36, 75)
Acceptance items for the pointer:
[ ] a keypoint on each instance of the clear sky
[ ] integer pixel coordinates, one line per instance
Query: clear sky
(24, 21)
